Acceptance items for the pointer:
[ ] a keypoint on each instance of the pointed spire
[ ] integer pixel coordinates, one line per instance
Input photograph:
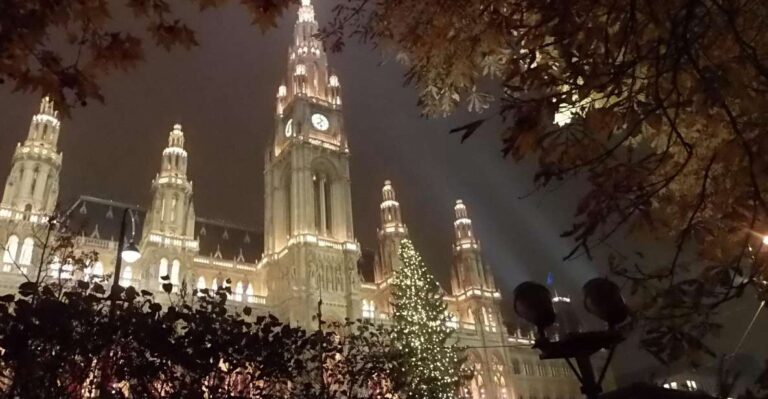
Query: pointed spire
(387, 191)
(469, 270)
(45, 125)
(172, 205)
(306, 12)
(176, 137)
(307, 73)
(391, 218)
(47, 107)
(462, 226)
(174, 156)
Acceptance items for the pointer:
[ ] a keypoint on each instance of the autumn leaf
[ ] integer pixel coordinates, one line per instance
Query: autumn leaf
(601, 121)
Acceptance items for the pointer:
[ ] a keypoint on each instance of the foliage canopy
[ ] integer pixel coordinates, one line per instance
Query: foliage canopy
(658, 106)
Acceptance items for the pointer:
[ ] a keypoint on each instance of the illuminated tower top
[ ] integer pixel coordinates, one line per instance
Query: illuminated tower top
(469, 270)
(391, 218)
(32, 187)
(391, 232)
(307, 73)
(171, 219)
(174, 162)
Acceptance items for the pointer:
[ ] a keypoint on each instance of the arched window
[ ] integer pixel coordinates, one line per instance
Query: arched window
(163, 271)
(25, 256)
(238, 295)
(9, 255)
(249, 294)
(126, 276)
(215, 285)
(488, 320)
(35, 175)
(175, 272)
(174, 202)
(499, 378)
(477, 385)
(162, 210)
(369, 309)
(95, 271)
(323, 203)
(200, 285)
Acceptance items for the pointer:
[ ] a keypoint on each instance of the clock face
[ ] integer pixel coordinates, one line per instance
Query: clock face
(289, 128)
(320, 122)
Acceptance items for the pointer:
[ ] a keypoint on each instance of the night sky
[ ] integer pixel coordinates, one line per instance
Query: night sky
(224, 95)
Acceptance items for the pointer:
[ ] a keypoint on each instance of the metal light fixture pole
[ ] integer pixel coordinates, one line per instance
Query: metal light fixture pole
(533, 302)
(130, 253)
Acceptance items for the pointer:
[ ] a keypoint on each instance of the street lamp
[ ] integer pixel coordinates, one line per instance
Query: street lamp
(128, 253)
(602, 298)
(131, 253)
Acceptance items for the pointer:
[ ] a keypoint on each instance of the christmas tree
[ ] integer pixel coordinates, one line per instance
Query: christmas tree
(421, 332)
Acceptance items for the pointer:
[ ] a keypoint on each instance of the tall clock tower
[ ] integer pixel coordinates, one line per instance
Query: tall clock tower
(310, 251)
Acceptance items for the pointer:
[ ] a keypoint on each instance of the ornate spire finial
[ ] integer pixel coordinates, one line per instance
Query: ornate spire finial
(387, 191)
(47, 107)
(306, 12)
(460, 209)
(176, 137)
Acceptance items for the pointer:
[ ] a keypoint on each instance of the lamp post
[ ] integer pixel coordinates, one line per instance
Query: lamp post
(128, 253)
(602, 297)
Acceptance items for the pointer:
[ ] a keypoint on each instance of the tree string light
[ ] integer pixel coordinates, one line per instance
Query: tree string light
(421, 330)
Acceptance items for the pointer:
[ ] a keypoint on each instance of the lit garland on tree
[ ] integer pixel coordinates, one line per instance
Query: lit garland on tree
(421, 332)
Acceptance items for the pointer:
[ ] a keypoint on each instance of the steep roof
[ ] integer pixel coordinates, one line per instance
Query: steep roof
(100, 218)
(228, 241)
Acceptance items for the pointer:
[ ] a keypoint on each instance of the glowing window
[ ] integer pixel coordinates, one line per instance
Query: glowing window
(126, 276)
(369, 309)
(11, 247)
(249, 294)
(163, 271)
(25, 256)
(96, 271)
(238, 295)
(175, 272)
(499, 379)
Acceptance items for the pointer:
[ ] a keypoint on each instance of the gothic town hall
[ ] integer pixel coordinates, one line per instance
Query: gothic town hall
(307, 249)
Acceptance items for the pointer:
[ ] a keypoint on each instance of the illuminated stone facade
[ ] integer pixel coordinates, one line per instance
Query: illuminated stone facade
(307, 251)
